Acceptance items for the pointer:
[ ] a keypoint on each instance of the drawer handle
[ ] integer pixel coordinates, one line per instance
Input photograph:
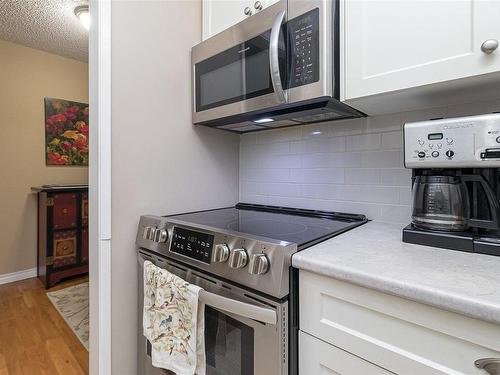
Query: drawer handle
(490, 365)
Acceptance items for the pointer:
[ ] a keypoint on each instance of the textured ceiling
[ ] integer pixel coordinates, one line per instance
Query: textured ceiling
(49, 25)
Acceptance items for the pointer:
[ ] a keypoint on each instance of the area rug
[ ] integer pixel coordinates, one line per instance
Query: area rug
(73, 305)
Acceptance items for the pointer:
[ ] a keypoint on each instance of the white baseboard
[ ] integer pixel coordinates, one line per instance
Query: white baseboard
(16, 276)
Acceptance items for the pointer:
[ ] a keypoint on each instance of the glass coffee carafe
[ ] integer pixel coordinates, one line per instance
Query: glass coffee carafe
(442, 203)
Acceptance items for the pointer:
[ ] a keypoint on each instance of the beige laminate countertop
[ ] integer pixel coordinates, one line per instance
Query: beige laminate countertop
(373, 255)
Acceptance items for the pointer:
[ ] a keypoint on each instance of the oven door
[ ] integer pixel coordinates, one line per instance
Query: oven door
(243, 68)
(245, 334)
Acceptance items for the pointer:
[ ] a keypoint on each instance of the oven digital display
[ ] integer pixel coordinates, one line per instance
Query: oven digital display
(192, 244)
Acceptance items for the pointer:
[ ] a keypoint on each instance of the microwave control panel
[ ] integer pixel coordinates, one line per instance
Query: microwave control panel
(303, 35)
(463, 142)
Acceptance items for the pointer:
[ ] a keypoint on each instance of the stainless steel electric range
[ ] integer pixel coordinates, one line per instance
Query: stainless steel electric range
(241, 256)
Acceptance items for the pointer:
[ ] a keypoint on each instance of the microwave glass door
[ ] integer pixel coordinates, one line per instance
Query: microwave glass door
(237, 74)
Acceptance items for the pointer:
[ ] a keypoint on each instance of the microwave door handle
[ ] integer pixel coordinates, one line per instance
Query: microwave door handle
(239, 308)
(274, 65)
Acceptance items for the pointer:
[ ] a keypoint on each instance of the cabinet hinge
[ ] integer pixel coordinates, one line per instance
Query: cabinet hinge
(50, 202)
(49, 261)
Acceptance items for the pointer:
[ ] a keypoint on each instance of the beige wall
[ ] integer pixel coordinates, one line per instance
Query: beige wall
(26, 77)
(161, 163)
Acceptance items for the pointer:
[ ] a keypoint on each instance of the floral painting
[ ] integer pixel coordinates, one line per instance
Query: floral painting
(66, 132)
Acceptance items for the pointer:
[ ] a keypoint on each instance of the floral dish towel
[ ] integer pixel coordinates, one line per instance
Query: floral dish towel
(173, 322)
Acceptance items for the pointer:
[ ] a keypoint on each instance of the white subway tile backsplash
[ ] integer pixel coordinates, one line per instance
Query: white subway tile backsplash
(378, 159)
(395, 177)
(395, 214)
(266, 175)
(282, 161)
(317, 160)
(319, 145)
(362, 176)
(405, 195)
(280, 189)
(363, 142)
(385, 123)
(378, 194)
(392, 140)
(347, 160)
(279, 135)
(353, 166)
(318, 176)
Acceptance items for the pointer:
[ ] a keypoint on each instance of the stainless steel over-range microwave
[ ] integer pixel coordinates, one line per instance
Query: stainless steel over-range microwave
(279, 67)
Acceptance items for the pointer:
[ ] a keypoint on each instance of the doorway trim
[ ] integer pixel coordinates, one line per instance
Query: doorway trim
(100, 187)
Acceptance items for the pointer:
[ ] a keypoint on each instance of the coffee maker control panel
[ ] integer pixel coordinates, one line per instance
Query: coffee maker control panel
(463, 142)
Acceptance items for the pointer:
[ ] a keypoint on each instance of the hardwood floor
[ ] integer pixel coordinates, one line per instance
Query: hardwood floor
(34, 338)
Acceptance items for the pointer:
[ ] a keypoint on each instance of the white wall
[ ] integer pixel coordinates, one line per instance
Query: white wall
(161, 164)
(354, 166)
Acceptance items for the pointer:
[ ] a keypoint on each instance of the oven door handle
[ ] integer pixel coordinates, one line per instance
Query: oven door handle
(226, 304)
(239, 308)
(274, 64)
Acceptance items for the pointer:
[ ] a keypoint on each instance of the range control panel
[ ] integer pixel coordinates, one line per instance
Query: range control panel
(193, 244)
(255, 262)
(303, 34)
(463, 142)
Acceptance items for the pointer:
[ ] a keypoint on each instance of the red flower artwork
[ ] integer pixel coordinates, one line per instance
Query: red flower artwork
(66, 132)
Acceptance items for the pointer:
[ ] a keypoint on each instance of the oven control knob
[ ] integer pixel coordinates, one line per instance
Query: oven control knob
(160, 235)
(147, 233)
(220, 253)
(259, 264)
(238, 258)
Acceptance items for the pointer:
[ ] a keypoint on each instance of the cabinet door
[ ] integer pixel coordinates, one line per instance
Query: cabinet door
(218, 15)
(316, 357)
(393, 45)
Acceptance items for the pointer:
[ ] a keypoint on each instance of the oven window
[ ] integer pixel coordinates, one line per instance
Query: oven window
(229, 345)
(239, 73)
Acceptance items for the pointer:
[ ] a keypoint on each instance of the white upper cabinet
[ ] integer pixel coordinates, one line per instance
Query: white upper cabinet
(395, 45)
(218, 15)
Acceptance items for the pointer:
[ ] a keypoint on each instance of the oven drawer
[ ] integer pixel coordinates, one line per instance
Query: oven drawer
(399, 335)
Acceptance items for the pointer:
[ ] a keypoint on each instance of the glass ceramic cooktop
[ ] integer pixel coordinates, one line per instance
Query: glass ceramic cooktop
(278, 225)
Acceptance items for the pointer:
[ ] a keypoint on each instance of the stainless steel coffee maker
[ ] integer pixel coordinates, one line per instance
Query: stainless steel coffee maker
(456, 183)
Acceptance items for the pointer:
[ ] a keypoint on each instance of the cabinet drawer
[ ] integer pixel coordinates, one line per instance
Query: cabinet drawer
(64, 210)
(64, 251)
(316, 357)
(402, 336)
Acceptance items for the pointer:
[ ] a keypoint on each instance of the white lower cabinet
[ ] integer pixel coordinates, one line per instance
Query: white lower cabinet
(320, 358)
(356, 328)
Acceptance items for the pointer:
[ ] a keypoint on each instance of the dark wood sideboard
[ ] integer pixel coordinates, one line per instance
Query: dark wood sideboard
(63, 236)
